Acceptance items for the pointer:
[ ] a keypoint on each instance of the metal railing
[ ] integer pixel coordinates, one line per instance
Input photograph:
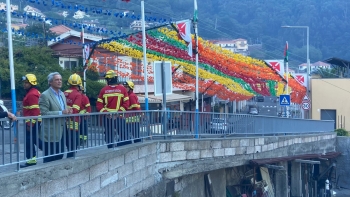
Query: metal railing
(53, 137)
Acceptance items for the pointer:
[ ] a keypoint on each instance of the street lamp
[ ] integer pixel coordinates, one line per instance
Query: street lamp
(307, 59)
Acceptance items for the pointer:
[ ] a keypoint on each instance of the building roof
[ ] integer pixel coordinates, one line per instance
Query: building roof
(227, 41)
(74, 34)
(337, 62)
(60, 29)
(328, 155)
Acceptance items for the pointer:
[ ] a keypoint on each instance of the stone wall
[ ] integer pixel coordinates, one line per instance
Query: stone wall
(155, 168)
(343, 161)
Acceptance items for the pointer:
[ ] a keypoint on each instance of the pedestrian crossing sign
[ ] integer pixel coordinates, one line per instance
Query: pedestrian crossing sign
(285, 100)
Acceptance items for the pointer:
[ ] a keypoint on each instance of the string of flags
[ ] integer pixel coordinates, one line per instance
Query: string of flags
(97, 10)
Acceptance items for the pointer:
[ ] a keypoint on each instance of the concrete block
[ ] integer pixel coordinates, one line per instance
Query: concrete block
(280, 144)
(206, 153)
(270, 146)
(116, 187)
(177, 146)
(109, 178)
(139, 164)
(261, 141)
(90, 187)
(98, 170)
(275, 145)
(250, 149)
(194, 154)
(165, 157)
(257, 149)
(68, 193)
(241, 150)
(230, 151)
(147, 183)
(131, 156)
(191, 145)
(219, 152)
(251, 142)
(216, 144)
(264, 148)
(285, 143)
(125, 170)
(162, 147)
(116, 162)
(235, 143)
(151, 159)
(135, 189)
(102, 192)
(78, 178)
(146, 172)
(51, 188)
(145, 151)
(34, 191)
(179, 155)
(124, 193)
(203, 145)
(244, 142)
(133, 178)
(226, 143)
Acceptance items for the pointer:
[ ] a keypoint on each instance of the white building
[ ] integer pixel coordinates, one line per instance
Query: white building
(33, 11)
(3, 7)
(237, 46)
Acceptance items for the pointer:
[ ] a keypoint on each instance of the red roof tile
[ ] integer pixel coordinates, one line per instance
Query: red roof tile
(60, 29)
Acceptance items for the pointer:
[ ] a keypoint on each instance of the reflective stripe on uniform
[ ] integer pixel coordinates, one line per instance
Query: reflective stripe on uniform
(105, 96)
(134, 105)
(87, 105)
(31, 107)
(77, 107)
(73, 125)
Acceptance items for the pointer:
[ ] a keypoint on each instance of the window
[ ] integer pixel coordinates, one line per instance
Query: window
(70, 64)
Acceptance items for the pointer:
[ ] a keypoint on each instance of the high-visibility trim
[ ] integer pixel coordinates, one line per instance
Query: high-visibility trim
(133, 119)
(122, 108)
(82, 111)
(31, 107)
(73, 125)
(126, 98)
(99, 100)
(105, 96)
(77, 107)
(68, 91)
(83, 137)
(32, 160)
(87, 105)
(103, 109)
(134, 105)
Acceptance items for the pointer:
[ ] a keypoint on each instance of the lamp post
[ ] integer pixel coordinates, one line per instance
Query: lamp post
(307, 60)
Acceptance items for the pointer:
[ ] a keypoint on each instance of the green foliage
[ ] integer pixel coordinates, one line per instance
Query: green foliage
(342, 132)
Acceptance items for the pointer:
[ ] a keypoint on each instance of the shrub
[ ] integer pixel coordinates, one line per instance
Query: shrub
(341, 132)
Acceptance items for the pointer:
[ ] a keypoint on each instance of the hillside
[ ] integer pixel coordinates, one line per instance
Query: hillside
(258, 21)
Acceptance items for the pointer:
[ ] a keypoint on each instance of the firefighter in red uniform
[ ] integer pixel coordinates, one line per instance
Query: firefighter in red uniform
(113, 98)
(74, 98)
(31, 108)
(84, 109)
(133, 120)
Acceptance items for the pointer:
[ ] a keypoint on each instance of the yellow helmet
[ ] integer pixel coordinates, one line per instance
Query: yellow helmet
(130, 84)
(110, 74)
(31, 78)
(74, 79)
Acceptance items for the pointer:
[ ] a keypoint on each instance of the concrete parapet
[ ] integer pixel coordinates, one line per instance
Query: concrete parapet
(131, 169)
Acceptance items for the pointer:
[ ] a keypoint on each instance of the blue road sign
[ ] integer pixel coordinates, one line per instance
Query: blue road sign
(284, 100)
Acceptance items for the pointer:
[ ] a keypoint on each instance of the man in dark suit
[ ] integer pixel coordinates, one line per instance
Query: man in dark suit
(53, 102)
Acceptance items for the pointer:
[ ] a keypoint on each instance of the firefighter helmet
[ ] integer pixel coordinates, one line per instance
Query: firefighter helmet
(31, 78)
(129, 84)
(74, 79)
(110, 74)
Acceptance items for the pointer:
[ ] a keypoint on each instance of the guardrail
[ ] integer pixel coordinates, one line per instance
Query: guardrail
(53, 138)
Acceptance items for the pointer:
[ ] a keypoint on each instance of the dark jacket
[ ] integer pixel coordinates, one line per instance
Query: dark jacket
(3, 114)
